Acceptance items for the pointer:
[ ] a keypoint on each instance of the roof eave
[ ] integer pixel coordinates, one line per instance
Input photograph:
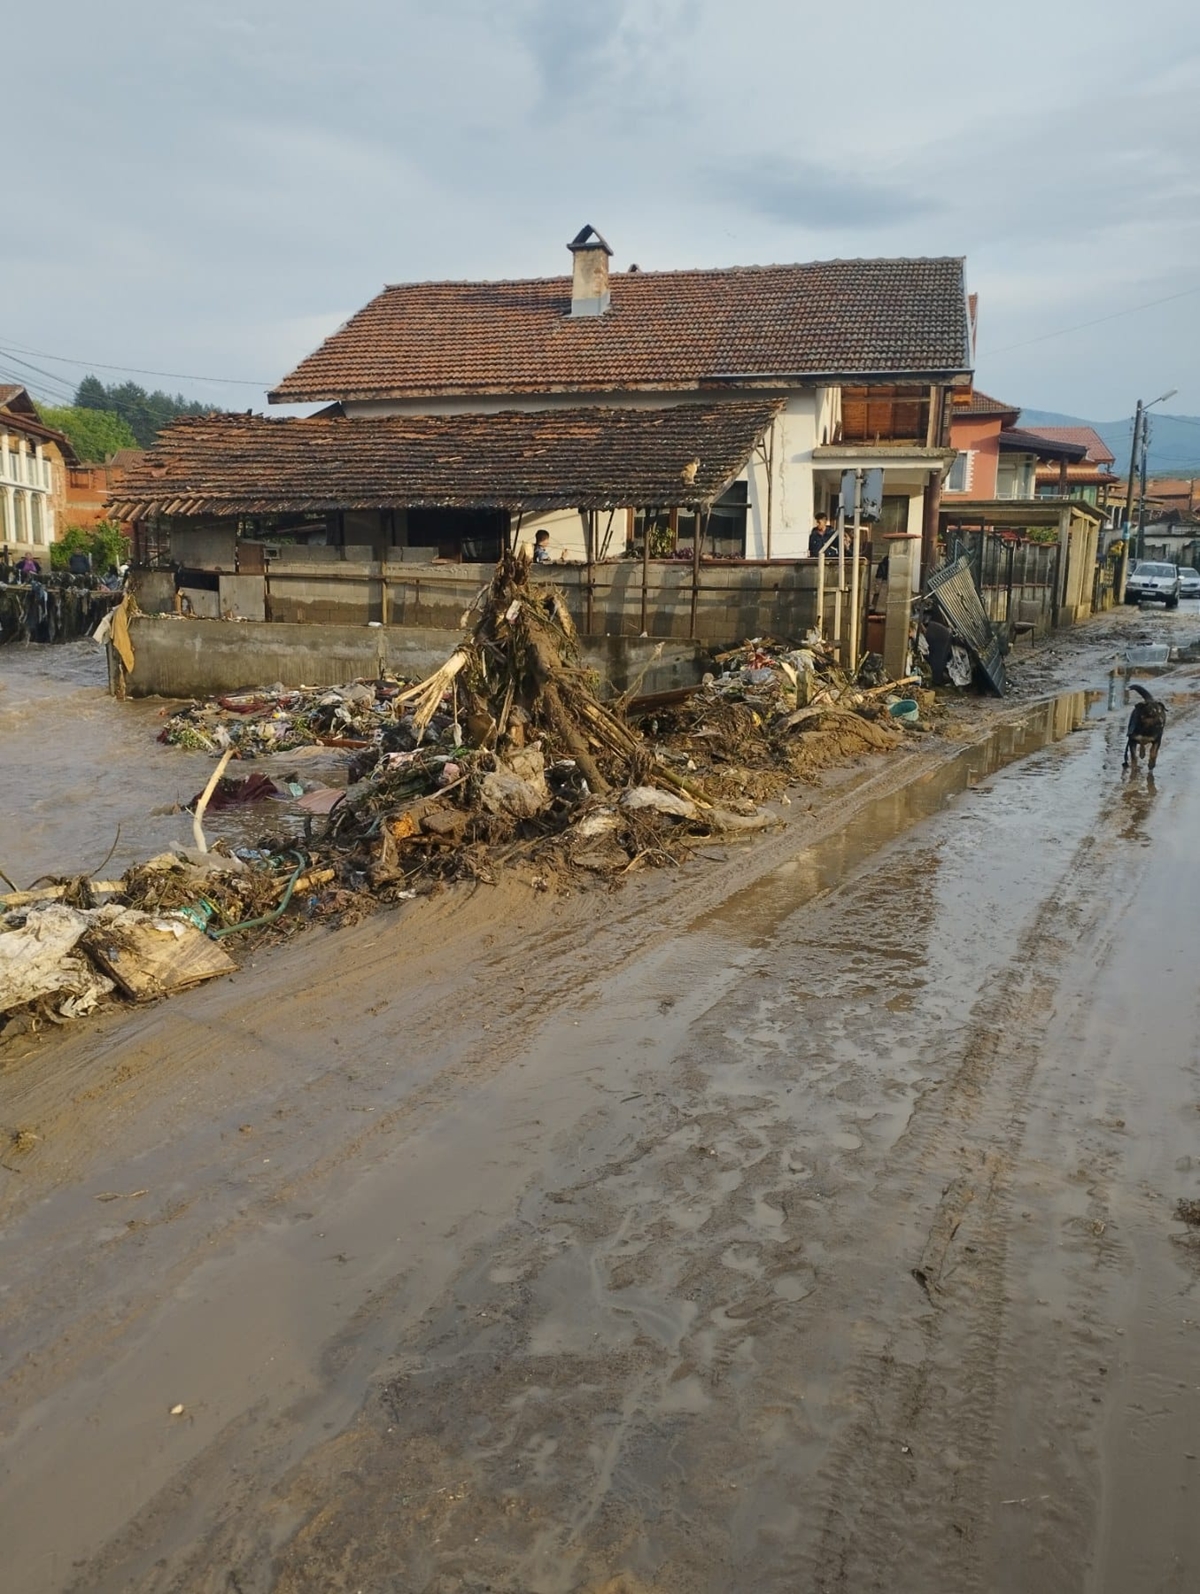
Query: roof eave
(955, 376)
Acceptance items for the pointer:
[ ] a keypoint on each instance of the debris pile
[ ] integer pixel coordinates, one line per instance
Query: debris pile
(505, 753)
(276, 720)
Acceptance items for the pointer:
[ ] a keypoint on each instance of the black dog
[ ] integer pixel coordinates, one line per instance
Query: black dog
(1146, 726)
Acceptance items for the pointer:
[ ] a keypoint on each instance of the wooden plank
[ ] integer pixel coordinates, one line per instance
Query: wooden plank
(154, 957)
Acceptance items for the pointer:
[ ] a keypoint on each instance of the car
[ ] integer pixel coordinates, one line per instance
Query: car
(1189, 582)
(1153, 582)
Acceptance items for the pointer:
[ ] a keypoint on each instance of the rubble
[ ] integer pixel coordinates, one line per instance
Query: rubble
(505, 754)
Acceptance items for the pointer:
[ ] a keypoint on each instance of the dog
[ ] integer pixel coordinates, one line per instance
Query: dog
(1146, 726)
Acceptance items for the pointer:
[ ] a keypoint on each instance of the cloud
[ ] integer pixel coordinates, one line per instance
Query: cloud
(802, 193)
(263, 166)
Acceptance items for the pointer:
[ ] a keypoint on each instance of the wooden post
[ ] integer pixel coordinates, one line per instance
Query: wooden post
(931, 503)
(645, 566)
(855, 574)
(589, 539)
(696, 568)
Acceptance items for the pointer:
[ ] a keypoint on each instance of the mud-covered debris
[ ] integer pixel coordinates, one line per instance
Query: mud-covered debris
(275, 720)
(1188, 1212)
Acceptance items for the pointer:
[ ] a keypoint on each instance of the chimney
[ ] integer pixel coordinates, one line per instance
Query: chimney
(589, 286)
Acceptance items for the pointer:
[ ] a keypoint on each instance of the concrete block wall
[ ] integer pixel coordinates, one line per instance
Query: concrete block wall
(181, 658)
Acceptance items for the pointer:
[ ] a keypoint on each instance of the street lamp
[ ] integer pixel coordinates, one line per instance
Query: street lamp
(1139, 435)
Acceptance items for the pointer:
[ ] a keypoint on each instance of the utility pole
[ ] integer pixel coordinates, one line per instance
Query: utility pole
(1133, 459)
(1141, 520)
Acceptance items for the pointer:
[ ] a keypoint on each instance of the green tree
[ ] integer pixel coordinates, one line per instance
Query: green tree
(94, 434)
(106, 542)
(144, 413)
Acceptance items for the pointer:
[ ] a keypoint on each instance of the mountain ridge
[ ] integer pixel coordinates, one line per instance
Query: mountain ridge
(1174, 439)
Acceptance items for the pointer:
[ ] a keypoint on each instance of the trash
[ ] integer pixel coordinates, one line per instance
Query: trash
(906, 710)
(958, 666)
(177, 1410)
(322, 800)
(276, 720)
(38, 961)
(231, 791)
(503, 792)
(150, 957)
(662, 802)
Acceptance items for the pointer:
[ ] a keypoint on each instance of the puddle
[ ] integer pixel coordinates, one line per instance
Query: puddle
(828, 863)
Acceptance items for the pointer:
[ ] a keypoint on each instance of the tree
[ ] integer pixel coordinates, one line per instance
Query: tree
(92, 394)
(107, 544)
(144, 413)
(94, 434)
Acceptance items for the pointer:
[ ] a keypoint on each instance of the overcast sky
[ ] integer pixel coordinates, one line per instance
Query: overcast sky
(209, 190)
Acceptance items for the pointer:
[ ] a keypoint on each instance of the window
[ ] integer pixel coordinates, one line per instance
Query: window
(35, 505)
(673, 532)
(959, 479)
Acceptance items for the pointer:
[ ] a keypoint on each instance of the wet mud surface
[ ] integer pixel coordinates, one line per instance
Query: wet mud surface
(807, 1220)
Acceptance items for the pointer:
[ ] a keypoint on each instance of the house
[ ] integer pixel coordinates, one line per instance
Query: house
(34, 461)
(1090, 479)
(860, 356)
(996, 458)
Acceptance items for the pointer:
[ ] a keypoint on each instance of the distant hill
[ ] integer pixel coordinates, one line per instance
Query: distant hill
(1174, 439)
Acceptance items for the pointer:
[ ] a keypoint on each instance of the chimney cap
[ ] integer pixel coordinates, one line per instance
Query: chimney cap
(588, 238)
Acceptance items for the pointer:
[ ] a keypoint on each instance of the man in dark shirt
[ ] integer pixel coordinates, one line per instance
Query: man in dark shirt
(818, 535)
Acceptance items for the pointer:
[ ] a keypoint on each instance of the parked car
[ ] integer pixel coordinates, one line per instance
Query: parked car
(1189, 582)
(1152, 582)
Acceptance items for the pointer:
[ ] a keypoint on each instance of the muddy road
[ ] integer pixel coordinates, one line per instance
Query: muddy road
(806, 1223)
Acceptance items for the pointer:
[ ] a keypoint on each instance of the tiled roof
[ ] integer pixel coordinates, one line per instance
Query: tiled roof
(1016, 439)
(1086, 474)
(1098, 450)
(24, 423)
(581, 457)
(665, 329)
(14, 396)
(984, 404)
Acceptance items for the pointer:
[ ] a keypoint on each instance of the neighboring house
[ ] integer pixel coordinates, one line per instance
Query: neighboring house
(1174, 498)
(856, 359)
(994, 458)
(34, 462)
(1090, 479)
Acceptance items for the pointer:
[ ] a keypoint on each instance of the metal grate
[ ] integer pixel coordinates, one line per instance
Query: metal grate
(953, 590)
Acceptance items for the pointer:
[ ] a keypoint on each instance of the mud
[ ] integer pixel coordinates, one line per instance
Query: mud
(806, 1220)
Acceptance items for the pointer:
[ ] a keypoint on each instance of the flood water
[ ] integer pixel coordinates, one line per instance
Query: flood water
(83, 778)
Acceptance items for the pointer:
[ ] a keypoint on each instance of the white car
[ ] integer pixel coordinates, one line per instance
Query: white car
(1189, 582)
(1153, 582)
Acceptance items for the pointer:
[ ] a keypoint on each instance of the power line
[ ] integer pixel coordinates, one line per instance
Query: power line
(137, 370)
(1099, 321)
(46, 375)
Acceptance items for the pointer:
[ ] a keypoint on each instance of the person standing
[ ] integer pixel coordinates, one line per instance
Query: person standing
(818, 535)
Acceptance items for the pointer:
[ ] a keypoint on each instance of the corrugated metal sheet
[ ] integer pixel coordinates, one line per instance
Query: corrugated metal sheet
(953, 590)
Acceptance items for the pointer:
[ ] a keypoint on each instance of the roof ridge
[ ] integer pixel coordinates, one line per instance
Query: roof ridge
(683, 271)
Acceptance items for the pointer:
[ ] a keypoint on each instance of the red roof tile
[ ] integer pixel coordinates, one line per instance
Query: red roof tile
(665, 329)
(582, 457)
(1017, 440)
(1098, 450)
(984, 404)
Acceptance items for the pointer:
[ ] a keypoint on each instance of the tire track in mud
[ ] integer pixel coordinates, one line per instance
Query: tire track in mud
(907, 1498)
(706, 1168)
(108, 1071)
(605, 1348)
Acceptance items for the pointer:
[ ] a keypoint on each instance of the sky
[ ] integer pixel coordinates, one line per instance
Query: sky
(207, 191)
